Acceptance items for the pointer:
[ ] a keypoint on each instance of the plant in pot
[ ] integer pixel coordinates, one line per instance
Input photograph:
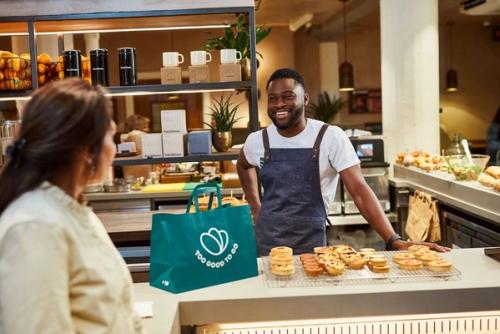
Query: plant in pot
(237, 37)
(326, 109)
(223, 119)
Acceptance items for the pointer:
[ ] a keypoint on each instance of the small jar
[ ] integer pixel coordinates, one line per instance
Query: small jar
(127, 63)
(99, 67)
(72, 63)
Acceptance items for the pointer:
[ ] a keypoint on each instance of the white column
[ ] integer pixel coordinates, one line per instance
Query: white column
(91, 42)
(410, 75)
(47, 44)
(329, 70)
(68, 42)
(329, 67)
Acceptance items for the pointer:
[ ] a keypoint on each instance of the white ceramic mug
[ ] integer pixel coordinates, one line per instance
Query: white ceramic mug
(200, 58)
(172, 59)
(229, 56)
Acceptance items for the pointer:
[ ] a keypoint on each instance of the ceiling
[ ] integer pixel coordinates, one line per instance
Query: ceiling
(281, 12)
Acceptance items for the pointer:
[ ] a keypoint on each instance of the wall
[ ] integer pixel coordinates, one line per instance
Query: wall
(277, 51)
(363, 54)
(307, 62)
(476, 58)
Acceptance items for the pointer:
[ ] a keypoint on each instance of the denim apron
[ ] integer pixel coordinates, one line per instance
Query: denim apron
(292, 211)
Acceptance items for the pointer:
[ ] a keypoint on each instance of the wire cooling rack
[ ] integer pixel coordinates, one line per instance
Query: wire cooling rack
(355, 277)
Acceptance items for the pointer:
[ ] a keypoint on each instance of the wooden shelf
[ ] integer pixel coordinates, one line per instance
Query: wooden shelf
(150, 89)
(15, 95)
(180, 88)
(230, 155)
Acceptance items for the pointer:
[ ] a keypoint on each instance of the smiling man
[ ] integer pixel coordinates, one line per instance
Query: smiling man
(300, 161)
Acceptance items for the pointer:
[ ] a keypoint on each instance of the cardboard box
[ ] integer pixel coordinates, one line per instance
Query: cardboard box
(173, 120)
(152, 145)
(200, 142)
(229, 72)
(173, 144)
(170, 75)
(127, 147)
(198, 73)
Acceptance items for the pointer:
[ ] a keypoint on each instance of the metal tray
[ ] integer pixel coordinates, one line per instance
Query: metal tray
(354, 277)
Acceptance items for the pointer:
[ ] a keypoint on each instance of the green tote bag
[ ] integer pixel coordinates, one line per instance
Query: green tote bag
(204, 248)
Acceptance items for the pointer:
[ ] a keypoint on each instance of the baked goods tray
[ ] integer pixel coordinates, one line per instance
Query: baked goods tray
(354, 277)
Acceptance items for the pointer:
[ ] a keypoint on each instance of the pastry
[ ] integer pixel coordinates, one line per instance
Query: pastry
(381, 269)
(411, 264)
(487, 180)
(322, 250)
(313, 271)
(378, 262)
(356, 262)
(417, 248)
(281, 250)
(367, 250)
(493, 171)
(440, 266)
(281, 260)
(335, 268)
(421, 253)
(429, 257)
(398, 257)
(307, 256)
(286, 270)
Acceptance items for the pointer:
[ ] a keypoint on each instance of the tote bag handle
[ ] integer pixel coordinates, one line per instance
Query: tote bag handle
(201, 189)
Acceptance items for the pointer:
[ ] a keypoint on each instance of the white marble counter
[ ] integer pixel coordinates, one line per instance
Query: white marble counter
(249, 300)
(470, 196)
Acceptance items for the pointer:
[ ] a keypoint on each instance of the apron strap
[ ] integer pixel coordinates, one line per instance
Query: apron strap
(317, 143)
(267, 149)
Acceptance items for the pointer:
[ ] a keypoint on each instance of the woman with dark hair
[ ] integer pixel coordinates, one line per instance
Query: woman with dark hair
(59, 271)
(493, 139)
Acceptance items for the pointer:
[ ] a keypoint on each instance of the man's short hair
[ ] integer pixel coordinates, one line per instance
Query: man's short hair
(286, 73)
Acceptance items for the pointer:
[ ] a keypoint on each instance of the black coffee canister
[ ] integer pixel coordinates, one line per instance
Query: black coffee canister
(72, 63)
(127, 63)
(99, 67)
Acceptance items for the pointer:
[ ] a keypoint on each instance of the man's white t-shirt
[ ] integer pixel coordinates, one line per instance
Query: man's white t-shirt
(336, 152)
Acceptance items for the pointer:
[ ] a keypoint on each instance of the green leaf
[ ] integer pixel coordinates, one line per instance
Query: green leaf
(237, 37)
(326, 109)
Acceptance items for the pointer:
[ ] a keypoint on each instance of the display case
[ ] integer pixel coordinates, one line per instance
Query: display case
(168, 16)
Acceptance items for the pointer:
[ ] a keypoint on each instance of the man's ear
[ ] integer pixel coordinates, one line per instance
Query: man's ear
(306, 99)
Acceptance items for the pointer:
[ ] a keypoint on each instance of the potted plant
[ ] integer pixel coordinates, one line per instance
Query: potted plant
(238, 37)
(223, 119)
(326, 109)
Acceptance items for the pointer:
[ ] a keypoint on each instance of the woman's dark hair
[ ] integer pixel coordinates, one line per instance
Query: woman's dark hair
(60, 119)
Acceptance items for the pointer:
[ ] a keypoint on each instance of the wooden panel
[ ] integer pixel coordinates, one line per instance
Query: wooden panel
(117, 24)
(60, 7)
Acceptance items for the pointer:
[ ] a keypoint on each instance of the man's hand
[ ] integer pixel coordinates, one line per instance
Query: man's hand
(255, 213)
(403, 245)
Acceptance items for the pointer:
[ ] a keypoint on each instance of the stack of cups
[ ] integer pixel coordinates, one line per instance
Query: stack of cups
(171, 71)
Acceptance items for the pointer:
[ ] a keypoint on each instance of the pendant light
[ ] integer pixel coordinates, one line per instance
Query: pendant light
(451, 74)
(346, 71)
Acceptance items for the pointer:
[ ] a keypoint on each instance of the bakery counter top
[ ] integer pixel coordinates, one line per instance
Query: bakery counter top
(470, 196)
(145, 194)
(250, 300)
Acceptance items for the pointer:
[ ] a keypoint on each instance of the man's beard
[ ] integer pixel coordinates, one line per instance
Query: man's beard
(294, 117)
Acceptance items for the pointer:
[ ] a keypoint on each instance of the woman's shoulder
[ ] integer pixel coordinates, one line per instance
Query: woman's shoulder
(32, 206)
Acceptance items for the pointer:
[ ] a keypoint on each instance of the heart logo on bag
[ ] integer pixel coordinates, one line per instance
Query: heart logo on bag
(214, 241)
